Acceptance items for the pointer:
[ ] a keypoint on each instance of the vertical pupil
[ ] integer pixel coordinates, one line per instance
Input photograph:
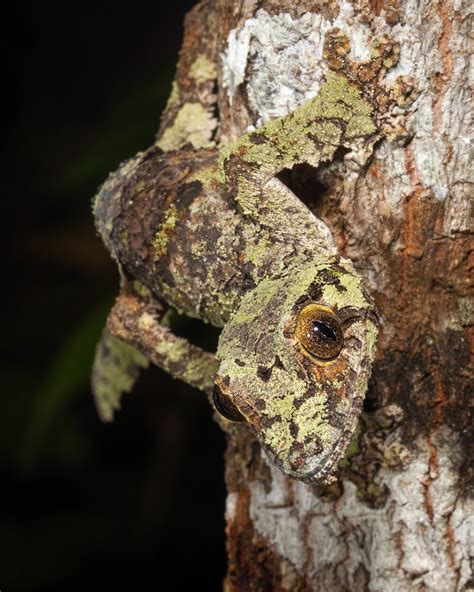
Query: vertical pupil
(324, 329)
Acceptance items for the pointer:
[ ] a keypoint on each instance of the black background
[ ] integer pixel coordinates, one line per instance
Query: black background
(139, 502)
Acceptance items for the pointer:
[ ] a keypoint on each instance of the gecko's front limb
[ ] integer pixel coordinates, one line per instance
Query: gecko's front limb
(137, 321)
(337, 116)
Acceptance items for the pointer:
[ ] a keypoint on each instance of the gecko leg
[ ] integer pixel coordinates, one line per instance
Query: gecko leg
(136, 321)
(337, 116)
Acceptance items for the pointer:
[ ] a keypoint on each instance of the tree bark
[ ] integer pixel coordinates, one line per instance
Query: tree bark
(398, 516)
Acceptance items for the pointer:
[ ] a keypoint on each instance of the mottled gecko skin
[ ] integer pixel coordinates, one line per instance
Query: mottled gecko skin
(214, 234)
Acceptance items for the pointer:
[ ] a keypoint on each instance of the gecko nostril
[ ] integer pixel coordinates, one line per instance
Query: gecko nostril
(225, 406)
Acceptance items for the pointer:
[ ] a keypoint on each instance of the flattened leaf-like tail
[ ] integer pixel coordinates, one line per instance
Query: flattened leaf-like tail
(115, 370)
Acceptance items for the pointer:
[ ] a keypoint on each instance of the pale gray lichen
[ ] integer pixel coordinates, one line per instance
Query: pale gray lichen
(203, 69)
(194, 124)
(281, 58)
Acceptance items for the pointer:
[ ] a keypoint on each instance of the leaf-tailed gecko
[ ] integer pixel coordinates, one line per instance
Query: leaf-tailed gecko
(214, 234)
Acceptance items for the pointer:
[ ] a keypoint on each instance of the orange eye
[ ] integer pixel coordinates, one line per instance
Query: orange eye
(319, 331)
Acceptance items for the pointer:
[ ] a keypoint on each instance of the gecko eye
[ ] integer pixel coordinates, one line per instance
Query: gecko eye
(319, 331)
(225, 406)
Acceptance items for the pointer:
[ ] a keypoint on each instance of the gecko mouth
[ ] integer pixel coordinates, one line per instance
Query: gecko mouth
(327, 463)
(307, 465)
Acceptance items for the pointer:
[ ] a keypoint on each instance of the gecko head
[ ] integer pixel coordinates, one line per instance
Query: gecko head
(295, 359)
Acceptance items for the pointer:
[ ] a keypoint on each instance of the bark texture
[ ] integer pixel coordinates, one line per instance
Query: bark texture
(398, 517)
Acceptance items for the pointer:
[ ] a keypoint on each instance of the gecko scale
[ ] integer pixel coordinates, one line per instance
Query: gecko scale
(214, 234)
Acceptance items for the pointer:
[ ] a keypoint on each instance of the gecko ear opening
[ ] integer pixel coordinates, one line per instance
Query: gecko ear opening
(225, 406)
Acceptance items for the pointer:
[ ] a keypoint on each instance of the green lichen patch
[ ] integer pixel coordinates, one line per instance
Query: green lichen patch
(285, 138)
(208, 176)
(372, 495)
(140, 289)
(353, 293)
(180, 358)
(311, 418)
(162, 236)
(255, 253)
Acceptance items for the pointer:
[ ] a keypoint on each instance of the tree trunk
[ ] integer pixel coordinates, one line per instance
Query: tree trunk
(398, 516)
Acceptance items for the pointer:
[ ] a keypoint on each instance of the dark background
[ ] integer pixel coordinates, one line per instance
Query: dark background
(83, 504)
